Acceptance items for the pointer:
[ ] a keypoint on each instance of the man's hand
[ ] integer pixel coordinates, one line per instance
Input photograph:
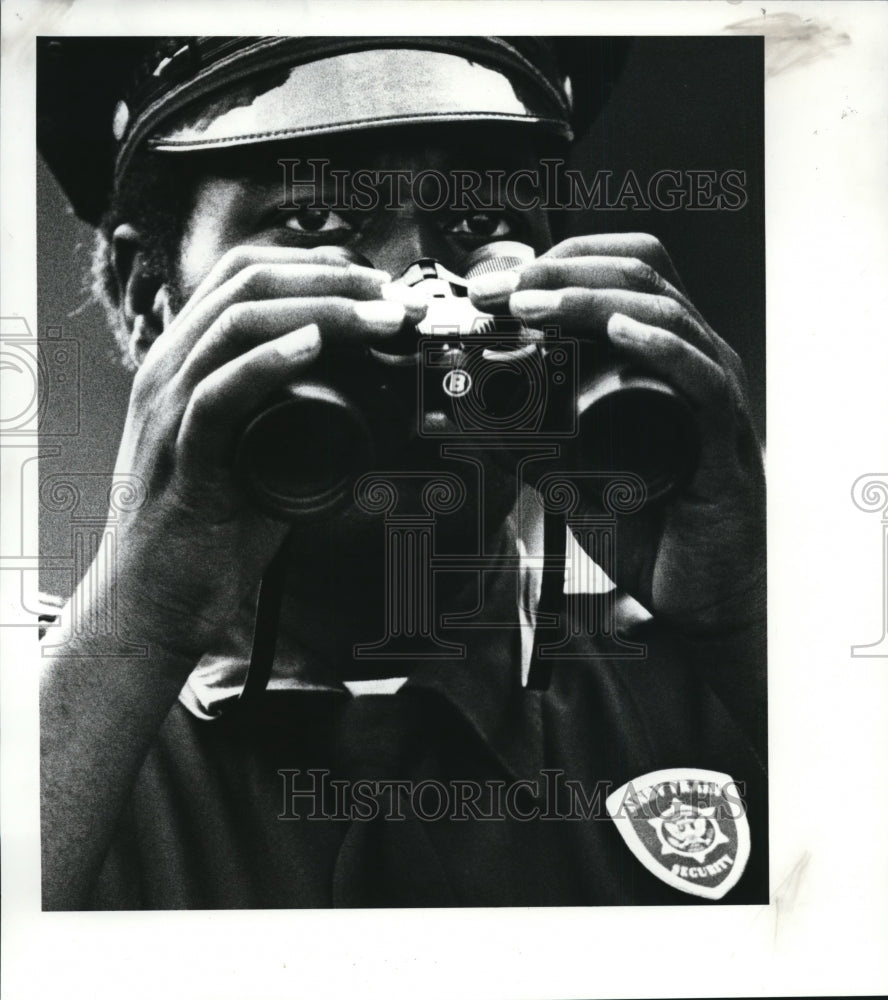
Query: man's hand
(697, 560)
(198, 546)
(188, 557)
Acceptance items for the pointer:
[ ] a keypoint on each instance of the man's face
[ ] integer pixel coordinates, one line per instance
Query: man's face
(247, 197)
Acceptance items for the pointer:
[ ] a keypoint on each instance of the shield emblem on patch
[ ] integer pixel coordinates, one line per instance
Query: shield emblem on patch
(687, 826)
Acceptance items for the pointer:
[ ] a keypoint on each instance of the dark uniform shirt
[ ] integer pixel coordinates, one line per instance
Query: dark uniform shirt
(463, 788)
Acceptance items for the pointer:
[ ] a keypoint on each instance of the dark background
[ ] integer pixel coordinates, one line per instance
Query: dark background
(680, 104)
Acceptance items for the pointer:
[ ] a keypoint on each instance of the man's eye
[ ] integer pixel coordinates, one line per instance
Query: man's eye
(487, 224)
(317, 220)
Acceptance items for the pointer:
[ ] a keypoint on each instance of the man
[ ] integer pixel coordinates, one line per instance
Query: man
(160, 788)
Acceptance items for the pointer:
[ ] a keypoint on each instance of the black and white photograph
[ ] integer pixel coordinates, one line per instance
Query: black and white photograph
(411, 446)
(388, 352)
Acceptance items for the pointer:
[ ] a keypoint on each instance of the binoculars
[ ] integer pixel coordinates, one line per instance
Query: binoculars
(464, 376)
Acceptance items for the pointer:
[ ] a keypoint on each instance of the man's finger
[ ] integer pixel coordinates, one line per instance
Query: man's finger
(627, 273)
(585, 312)
(245, 325)
(222, 401)
(700, 378)
(241, 257)
(641, 245)
(257, 282)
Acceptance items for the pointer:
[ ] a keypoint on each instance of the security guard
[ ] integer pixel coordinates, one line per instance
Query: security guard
(429, 773)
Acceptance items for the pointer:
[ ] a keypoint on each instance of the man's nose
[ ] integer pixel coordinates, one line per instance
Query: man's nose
(398, 238)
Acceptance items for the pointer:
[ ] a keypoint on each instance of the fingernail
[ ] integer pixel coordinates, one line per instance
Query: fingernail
(622, 327)
(413, 302)
(534, 303)
(495, 285)
(300, 342)
(380, 315)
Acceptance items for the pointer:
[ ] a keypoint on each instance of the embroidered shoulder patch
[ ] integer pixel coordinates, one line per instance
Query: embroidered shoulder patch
(687, 826)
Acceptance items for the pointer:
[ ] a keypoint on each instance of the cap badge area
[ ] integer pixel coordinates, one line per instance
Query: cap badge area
(687, 826)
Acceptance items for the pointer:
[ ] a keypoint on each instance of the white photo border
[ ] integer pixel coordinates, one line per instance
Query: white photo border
(827, 359)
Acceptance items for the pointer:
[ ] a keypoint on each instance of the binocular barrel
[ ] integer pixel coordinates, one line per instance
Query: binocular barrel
(302, 453)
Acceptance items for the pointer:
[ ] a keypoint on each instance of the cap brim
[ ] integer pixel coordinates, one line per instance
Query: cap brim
(357, 90)
(82, 80)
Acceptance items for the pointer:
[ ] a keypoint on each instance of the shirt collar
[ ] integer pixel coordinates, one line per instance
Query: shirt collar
(486, 686)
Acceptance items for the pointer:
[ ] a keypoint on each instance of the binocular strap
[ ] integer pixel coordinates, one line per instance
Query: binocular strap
(551, 594)
(268, 610)
(265, 631)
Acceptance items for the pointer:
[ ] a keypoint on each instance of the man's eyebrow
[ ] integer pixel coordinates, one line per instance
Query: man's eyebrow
(325, 183)
(291, 183)
(274, 187)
